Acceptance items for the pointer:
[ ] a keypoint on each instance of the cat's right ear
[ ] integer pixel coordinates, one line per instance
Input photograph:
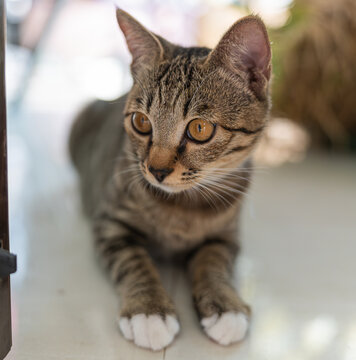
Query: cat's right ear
(145, 47)
(245, 49)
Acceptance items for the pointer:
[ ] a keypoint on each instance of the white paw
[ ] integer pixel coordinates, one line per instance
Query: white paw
(230, 327)
(150, 331)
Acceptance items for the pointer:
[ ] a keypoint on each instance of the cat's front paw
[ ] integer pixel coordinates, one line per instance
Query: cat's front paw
(227, 328)
(150, 331)
(222, 313)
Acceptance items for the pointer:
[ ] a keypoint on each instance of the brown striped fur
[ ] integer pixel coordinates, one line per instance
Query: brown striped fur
(194, 212)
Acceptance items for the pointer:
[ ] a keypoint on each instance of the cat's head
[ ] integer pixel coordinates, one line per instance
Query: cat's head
(194, 113)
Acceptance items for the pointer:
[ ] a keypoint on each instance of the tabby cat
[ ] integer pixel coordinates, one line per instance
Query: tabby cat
(163, 171)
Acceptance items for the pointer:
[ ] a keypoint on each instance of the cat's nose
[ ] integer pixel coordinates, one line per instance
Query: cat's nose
(160, 174)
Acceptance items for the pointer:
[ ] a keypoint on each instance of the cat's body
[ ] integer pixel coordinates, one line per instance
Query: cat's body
(171, 184)
(188, 219)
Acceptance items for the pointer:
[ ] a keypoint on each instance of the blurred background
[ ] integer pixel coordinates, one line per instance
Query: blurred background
(299, 225)
(61, 53)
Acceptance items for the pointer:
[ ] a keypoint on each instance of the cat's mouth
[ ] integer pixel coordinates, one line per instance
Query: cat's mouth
(168, 186)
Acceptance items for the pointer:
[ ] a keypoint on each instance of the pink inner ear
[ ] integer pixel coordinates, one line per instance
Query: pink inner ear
(247, 45)
(139, 40)
(256, 45)
(128, 30)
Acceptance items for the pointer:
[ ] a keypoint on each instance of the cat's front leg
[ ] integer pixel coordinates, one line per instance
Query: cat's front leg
(147, 314)
(222, 314)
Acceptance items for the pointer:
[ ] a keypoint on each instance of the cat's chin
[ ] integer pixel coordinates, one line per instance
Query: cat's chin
(171, 189)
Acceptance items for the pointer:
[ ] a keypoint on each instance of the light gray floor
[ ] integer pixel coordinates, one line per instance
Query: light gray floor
(297, 269)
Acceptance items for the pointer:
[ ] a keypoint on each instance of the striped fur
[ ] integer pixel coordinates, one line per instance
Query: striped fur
(193, 213)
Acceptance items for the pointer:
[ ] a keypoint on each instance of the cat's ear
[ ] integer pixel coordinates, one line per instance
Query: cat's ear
(245, 48)
(145, 47)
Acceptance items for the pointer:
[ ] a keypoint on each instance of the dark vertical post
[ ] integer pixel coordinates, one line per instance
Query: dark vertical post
(5, 310)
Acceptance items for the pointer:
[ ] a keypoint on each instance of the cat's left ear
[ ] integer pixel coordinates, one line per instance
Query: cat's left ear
(144, 46)
(246, 48)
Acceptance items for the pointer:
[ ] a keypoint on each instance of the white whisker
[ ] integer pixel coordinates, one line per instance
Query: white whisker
(200, 189)
(225, 189)
(224, 180)
(221, 197)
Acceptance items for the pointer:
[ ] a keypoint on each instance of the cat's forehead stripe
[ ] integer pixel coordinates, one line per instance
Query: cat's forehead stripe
(149, 103)
(139, 100)
(176, 77)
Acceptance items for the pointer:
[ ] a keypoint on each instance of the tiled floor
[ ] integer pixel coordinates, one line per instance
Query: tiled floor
(297, 268)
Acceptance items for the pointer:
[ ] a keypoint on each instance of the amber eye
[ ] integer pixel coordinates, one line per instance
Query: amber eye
(141, 123)
(200, 130)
